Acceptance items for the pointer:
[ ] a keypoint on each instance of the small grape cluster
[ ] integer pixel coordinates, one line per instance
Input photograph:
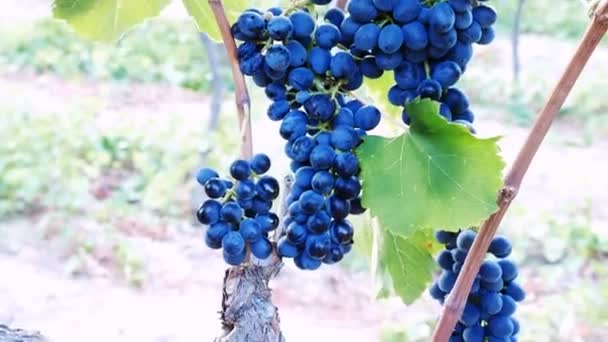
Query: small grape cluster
(238, 212)
(427, 44)
(491, 304)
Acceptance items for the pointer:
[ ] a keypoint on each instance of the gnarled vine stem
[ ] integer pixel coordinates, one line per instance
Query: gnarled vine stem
(248, 313)
(456, 301)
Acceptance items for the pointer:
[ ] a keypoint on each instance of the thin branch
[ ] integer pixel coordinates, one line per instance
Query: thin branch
(457, 299)
(243, 104)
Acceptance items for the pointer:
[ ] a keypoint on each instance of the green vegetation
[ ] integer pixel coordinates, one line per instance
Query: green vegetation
(69, 161)
(568, 18)
(156, 52)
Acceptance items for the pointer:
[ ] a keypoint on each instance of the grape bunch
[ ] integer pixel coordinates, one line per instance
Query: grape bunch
(237, 212)
(488, 314)
(309, 78)
(427, 44)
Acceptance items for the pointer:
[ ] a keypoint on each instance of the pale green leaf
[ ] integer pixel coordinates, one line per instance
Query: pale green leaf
(435, 175)
(409, 262)
(106, 20)
(377, 91)
(201, 11)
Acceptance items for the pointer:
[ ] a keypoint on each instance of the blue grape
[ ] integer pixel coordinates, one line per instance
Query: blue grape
(205, 174)
(278, 58)
(301, 78)
(362, 10)
(327, 36)
(465, 240)
(388, 61)
(509, 270)
(487, 36)
(500, 246)
(346, 164)
(344, 138)
(286, 248)
(470, 315)
(409, 75)
(215, 188)
(470, 35)
(303, 25)
(442, 17)
(415, 35)
(390, 39)
(446, 281)
(485, 16)
(370, 69)
(339, 208)
(342, 231)
(297, 53)
(500, 326)
(317, 245)
(319, 60)
(279, 28)
(342, 65)
(463, 20)
(406, 11)
(262, 248)
(215, 233)
(322, 157)
(335, 16)
(367, 117)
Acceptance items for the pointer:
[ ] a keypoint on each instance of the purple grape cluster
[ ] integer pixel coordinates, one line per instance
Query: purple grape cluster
(488, 314)
(427, 44)
(237, 212)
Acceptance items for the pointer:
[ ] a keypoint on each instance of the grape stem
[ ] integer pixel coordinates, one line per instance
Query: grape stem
(248, 313)
(457, 299)
(243, 102)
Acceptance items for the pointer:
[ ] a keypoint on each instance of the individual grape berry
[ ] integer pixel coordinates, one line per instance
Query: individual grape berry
(356, 207)
(515, 291)
(390, 38)
(470, 315)
(233, 243)
(485, 16)
(231, 212)
(465, 240)
(344, 138)
(490, 271)
(487, 36)
(310, 202)
(204, 175)
(366, 37)
(406, 10)
(508, 306)
(436, 292)
(342, 65)
(446, 74)
(215, 233)
(250, 230)
(296, 233)
(215, 188)
(286, 248)
(362, 10)
(279, 28)
(415, 36)
(445, 237)
(474, 333)
(317, 246)
(303, 25)
(335, 16)
(500, 326)
(446, 281)
(327, 36)
(306, 262)
(236, 259)
(509, 270)
(367, 117)
(445, 260)
(278, 58)
(442, 17)
(261, 248)
(318, 222)
(322, 182)
(209, 212)
(342, 232)
(339, 208)
(260, 164)
(500, 247)
(347, 188)
(491, 302)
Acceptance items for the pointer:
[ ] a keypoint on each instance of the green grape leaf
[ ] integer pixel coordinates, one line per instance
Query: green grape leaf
(435, 175)
(409, 261)
(201, 11)
(106, 20)
(377, 91)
